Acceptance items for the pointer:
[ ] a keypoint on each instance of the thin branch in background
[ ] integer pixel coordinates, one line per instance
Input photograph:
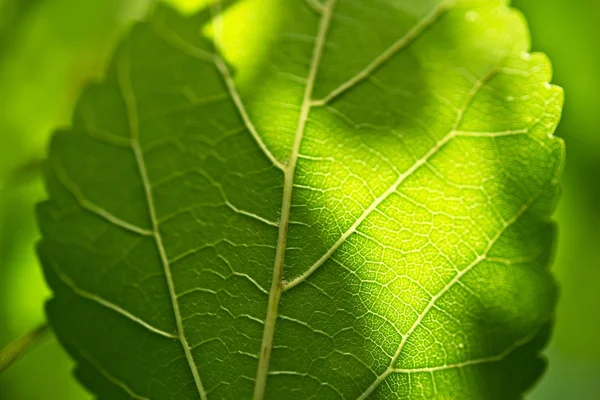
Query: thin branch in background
(26, 172)
(16, 349)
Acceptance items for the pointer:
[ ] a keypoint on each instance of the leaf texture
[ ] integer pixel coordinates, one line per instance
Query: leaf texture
(334, 200)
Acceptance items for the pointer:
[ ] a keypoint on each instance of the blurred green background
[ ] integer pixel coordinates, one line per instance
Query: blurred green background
(49, 49)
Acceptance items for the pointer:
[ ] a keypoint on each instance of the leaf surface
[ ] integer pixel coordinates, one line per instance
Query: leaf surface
(341, 199)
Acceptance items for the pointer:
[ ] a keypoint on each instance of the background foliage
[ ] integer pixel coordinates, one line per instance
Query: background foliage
(50, 48)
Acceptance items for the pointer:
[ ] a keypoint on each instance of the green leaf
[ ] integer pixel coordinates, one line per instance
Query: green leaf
(349, 199)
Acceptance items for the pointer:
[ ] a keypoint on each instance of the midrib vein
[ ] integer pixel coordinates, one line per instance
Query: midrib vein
(131, 105)
(289, 171)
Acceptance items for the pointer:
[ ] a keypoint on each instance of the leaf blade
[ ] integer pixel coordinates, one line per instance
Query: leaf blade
(388, 224)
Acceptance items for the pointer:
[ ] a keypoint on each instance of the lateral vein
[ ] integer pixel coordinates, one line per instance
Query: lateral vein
(109, 376)
(315, 5)
(394, 187)
(485, 360)
(124, 78)
(435, 298)
(90, 206)
(401, 43)
(107, 304)
(233, 92)
(168, 36)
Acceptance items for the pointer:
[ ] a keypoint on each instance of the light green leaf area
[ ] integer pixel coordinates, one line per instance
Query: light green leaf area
(359, 210)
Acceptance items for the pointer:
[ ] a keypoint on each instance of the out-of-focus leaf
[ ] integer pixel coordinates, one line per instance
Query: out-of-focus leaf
(399, 158)
(11, 14)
